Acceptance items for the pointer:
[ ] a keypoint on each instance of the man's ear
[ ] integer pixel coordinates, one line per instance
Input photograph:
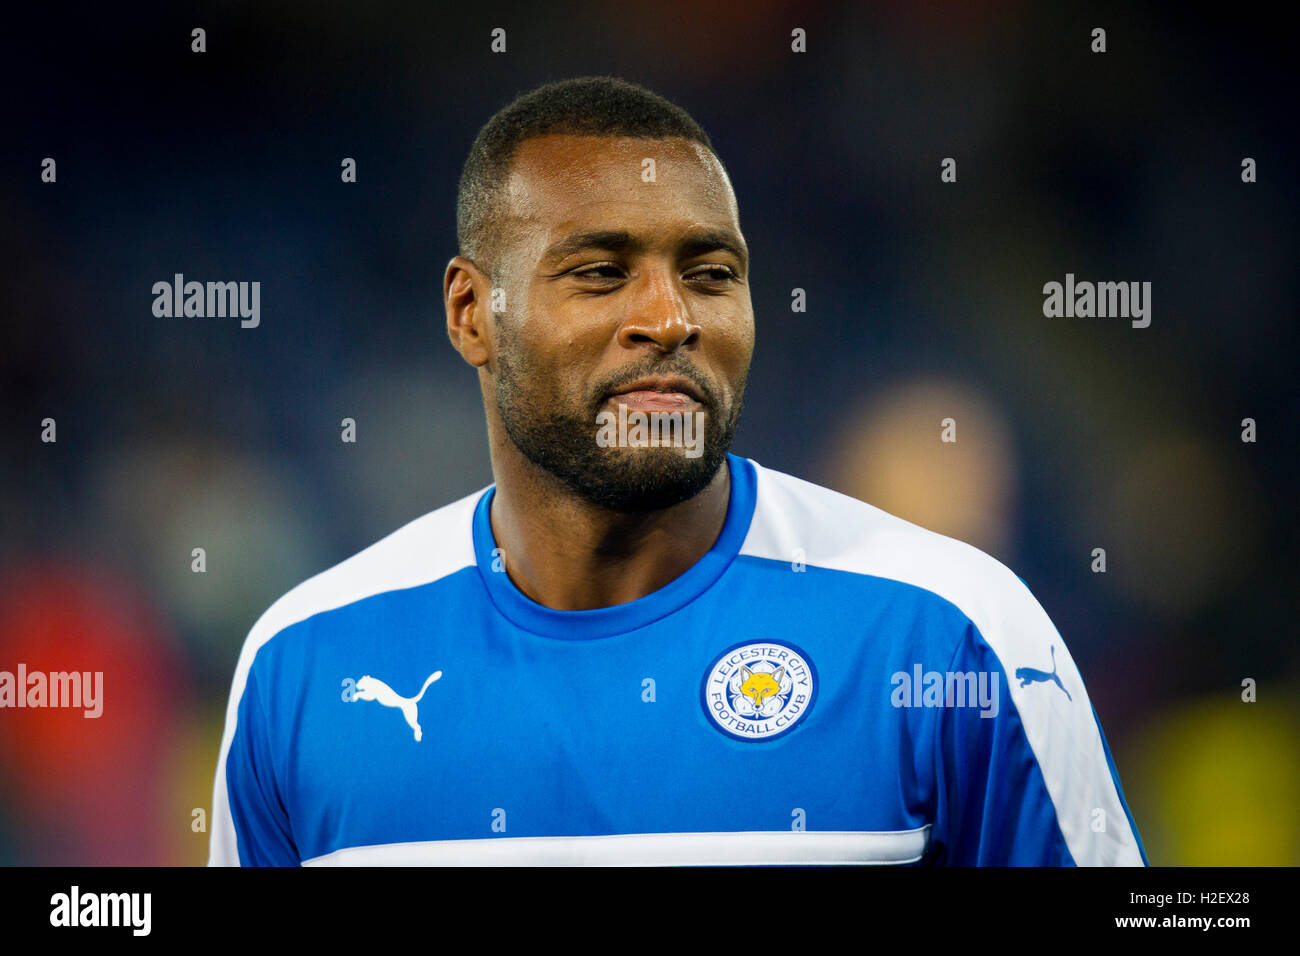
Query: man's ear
(466, 294)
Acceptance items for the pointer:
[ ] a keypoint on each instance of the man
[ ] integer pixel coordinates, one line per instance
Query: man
(636, 647)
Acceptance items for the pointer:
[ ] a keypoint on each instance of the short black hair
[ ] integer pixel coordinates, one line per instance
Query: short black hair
(583, 106)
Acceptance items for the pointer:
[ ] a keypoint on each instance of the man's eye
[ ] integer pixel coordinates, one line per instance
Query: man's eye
(599, 272)
(712, 273)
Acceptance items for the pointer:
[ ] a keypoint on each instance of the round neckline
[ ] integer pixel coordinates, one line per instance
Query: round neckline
(526, 613)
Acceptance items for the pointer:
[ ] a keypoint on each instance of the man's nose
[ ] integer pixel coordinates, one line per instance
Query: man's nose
(659, 314)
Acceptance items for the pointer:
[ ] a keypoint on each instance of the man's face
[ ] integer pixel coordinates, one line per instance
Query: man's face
(613, 281)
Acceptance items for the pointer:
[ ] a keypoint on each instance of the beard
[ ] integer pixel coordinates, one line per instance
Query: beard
(561, 440)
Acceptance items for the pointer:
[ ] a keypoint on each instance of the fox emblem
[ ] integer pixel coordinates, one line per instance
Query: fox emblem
(758, 690)
(758, 686)
(1028, 675)
(372, 688)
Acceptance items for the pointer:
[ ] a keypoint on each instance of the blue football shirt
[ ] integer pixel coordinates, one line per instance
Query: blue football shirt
(827, 684)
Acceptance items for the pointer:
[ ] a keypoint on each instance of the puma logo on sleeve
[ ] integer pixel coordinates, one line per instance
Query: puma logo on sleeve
(1029, 675)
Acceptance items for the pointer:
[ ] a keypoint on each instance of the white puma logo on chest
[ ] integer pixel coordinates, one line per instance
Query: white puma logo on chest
(372, 688)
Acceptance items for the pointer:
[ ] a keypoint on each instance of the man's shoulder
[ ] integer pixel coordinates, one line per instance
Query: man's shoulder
(420, 552)
(797, 520)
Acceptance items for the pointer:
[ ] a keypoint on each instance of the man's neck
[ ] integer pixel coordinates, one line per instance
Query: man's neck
(569, 555)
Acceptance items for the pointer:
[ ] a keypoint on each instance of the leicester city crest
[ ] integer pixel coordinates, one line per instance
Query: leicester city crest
(759, 690)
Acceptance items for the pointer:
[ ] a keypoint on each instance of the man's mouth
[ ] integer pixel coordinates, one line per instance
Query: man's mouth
(658, 395)
(649, 400)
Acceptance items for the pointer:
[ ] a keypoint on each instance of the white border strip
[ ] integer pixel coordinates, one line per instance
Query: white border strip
(845, 534)
(431, 547)
(753, 848)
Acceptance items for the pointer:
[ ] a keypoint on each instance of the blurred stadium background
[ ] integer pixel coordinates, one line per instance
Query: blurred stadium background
(924, 301)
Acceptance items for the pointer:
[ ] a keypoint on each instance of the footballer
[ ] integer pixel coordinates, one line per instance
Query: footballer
(636, 647)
